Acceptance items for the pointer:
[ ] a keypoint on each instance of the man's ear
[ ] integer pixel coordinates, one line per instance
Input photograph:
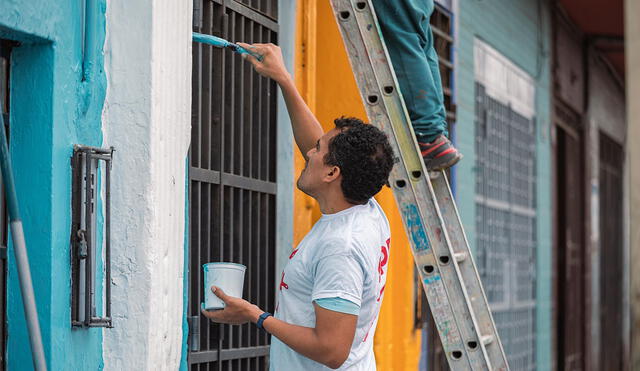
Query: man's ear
(332, 175)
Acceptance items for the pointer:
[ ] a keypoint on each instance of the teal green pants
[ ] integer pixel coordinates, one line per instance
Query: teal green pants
(407, 34)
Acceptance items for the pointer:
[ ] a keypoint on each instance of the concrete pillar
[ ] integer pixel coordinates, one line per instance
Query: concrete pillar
(632, 52)
(147, 119)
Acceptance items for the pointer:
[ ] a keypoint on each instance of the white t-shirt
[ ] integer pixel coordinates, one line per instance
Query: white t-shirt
(344, 255)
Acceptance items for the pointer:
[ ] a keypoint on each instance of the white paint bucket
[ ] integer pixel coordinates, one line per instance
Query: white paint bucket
(227, 276)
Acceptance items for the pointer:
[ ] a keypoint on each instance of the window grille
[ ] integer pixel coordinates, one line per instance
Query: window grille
(505, 200)
(232, 178)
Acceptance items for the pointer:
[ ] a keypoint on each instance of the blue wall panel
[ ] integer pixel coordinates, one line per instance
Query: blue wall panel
(51, 109)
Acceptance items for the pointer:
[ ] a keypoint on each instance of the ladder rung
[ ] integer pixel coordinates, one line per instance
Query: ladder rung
(487, 339)
(460, 256)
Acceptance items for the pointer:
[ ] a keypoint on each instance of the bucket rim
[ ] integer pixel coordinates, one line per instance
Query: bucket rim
(232, 265)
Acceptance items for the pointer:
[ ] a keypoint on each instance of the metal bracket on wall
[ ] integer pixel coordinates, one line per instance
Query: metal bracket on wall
(90, 167)
(194, 333)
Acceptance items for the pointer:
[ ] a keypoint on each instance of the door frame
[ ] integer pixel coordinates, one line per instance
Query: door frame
(578, 131)
(558, 21)
(602, 137)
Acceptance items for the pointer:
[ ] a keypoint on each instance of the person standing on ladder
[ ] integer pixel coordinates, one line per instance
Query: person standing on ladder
(409, 40)
(332, 288)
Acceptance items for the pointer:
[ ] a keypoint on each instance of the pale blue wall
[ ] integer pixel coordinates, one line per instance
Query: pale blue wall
(515, 30)
(51, 109)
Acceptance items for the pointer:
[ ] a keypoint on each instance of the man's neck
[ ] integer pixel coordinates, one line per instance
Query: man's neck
(332, 205)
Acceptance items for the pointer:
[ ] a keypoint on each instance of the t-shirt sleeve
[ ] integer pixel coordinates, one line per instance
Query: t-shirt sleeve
(338, 276)
(339, 305)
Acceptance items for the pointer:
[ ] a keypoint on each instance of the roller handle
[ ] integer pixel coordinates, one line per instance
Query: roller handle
(222, 43)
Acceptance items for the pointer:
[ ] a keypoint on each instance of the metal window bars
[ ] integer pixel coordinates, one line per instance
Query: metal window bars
(87, 277)
(232, 179)
(506, 222)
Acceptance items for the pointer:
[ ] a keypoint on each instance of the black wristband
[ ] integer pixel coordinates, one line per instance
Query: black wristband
(261, 319)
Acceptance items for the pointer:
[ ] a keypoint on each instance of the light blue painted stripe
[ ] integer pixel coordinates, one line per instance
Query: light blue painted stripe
(185, 278)
(432, 279)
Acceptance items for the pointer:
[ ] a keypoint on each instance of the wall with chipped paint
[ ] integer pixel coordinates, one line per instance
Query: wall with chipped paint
(147, 117)
(519, 30)
(52, 108)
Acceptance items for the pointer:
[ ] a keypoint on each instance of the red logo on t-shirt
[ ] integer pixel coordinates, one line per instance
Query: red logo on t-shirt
(293, 253)
(384, 259)
(382, 263)
(282, 284)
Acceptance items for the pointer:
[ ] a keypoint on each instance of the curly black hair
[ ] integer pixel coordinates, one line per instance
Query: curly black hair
(364, 156)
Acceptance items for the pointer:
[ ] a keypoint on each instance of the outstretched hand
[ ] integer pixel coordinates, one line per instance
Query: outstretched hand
(237, 311)
(272, 64)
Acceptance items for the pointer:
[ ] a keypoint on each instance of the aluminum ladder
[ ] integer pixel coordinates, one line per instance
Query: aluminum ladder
(438, 242)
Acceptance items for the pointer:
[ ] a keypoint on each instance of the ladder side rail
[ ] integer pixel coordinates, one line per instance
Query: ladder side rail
(426, 200)
(452, 276)
(453, 273)
(470, 273)
(377, 113)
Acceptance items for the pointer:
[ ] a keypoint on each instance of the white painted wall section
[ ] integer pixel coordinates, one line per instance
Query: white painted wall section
(147, 119)
(170, 139)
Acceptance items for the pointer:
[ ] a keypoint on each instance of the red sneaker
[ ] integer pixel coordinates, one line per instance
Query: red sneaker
(439, 154)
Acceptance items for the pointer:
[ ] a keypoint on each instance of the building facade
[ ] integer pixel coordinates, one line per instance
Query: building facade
(204, 168)
(81, 73)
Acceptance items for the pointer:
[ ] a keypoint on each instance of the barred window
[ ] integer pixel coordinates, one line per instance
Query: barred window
(505, 199)
(232, 177)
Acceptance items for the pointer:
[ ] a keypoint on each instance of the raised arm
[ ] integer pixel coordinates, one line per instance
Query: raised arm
(306, 128)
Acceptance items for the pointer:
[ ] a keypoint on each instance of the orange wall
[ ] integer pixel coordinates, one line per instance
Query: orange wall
(324, 76)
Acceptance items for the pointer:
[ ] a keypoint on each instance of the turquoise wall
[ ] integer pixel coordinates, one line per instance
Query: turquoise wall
(514, 28)
(51, 109)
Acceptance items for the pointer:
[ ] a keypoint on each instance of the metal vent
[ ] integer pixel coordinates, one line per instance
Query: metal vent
(90, 261)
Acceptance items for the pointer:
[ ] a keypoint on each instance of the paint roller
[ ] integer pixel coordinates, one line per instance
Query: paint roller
(222, 43)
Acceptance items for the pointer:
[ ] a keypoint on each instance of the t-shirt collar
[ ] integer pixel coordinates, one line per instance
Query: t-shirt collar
(346, 211)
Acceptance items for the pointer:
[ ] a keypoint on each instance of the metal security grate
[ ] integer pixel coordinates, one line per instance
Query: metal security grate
(611, 234)
(505, 223)
(442, 27)
(232, 178)
(266, 7)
